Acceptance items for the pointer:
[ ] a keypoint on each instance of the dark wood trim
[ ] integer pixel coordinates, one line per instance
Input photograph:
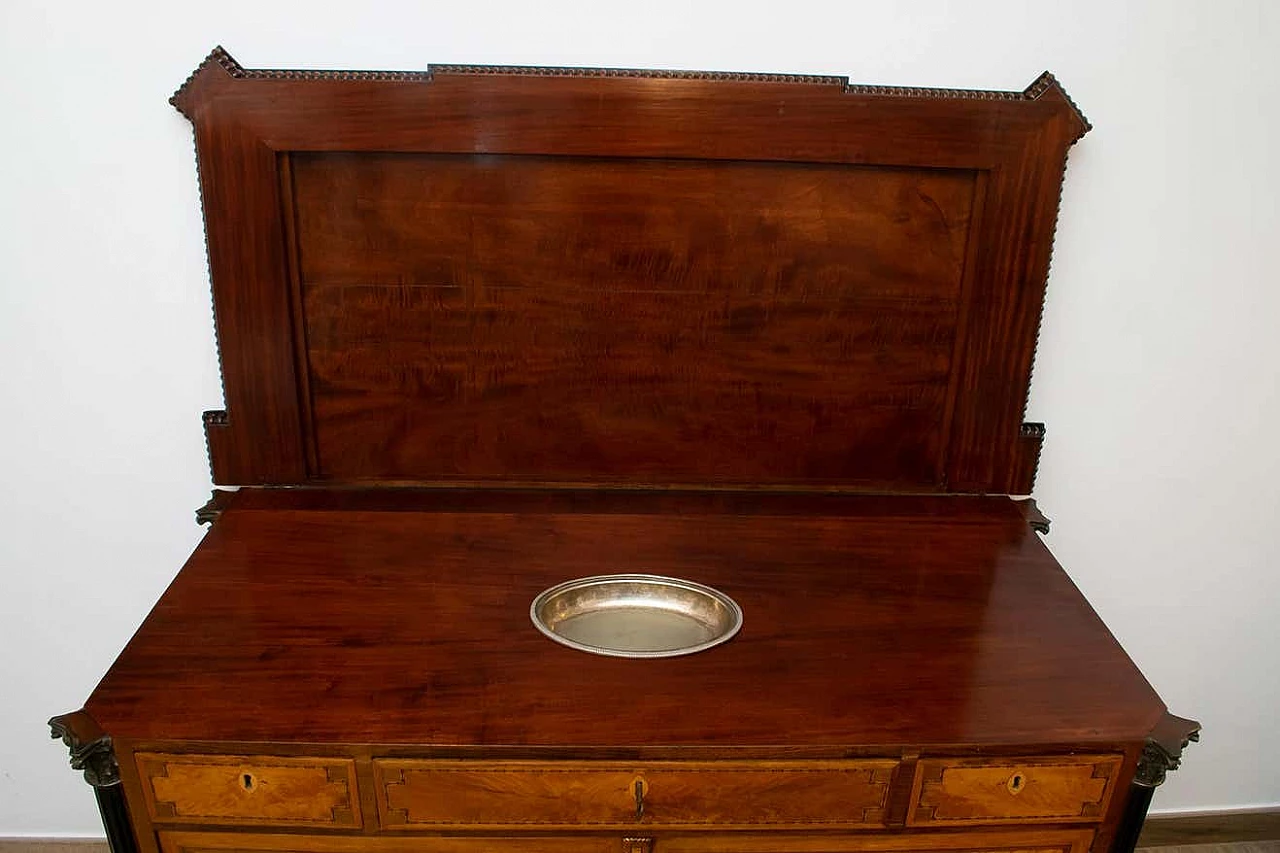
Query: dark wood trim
(249, 443)
(1220, 828)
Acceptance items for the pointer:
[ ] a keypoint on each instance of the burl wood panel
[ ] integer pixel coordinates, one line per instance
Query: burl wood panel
(1008, 841)
(436, 794)
(1062, 789)
(250, 790)
(403, 618)
(646, 320)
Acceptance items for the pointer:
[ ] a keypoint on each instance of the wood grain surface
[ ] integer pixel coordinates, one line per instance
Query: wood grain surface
(260, 790)
(436, 795)
(1063, 789)
(670, 321)
(868, 621)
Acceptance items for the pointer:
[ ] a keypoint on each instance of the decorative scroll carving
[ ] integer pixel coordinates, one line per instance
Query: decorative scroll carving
(1163, 751)
(90, 748)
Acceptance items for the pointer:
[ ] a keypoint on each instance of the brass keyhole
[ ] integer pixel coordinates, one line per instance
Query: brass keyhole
(1016, 783)
(247, 781)
(639, 789)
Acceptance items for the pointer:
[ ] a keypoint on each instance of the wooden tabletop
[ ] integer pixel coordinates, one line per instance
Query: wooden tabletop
(402, 617)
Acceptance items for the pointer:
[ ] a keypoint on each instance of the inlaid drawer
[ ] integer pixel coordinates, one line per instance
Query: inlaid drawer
(1069, 788)
(416, 794)
(250, 790)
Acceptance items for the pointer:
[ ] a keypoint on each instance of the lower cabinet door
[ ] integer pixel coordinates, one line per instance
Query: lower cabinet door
(985, 841)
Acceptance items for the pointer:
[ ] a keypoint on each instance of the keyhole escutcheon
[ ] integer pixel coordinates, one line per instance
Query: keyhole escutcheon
(1017, 782)
(639, 787)
(247, 781)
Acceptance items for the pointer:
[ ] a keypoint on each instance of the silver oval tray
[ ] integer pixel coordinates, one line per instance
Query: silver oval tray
(636, 616)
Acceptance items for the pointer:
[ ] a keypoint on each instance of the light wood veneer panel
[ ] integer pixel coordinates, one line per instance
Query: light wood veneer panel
(434, 794)
(250, 790)
(1052, 789)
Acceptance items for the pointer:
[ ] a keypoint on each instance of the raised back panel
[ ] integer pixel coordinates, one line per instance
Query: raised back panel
(514, 276)
(489, 317)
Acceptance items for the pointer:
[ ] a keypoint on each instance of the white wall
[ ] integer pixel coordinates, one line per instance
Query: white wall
(1158, 365)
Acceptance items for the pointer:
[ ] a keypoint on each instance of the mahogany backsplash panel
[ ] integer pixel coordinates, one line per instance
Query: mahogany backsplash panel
(589, 318)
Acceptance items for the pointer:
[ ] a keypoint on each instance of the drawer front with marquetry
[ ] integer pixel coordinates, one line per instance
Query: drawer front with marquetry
(1069, 788)
(238, 790)
(434, 794)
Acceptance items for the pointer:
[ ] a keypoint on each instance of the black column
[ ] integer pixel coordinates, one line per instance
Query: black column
(1135, 815)
(1162, 753)
(115, 819)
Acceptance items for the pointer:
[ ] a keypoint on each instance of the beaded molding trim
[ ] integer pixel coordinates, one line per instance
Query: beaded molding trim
(1044, 83)
(643, 73)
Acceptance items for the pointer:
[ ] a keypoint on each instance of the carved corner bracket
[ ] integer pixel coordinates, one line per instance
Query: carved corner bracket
(1038, 521)
(1163, 751)
(218, 501)
(90, 748)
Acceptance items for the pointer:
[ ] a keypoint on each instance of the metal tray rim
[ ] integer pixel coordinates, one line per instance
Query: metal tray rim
(665, 580)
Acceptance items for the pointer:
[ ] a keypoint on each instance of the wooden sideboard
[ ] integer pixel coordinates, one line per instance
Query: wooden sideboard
(484, 330)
